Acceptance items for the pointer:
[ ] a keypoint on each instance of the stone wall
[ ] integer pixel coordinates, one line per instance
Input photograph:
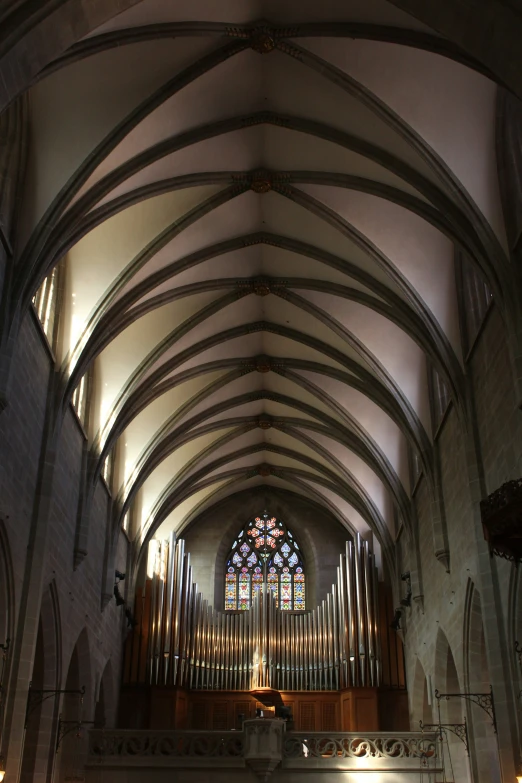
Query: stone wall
(467, 615)
(38, 517)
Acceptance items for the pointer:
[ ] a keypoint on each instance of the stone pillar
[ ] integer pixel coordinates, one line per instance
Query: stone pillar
(264, 745)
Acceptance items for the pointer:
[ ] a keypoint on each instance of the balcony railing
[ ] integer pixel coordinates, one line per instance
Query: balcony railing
(128, 745)
(380, 751)
(354, 746)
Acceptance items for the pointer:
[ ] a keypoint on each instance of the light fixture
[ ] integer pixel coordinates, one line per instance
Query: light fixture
(2, 769)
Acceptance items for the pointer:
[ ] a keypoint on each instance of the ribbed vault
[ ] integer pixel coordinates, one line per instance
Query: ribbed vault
(257, 222)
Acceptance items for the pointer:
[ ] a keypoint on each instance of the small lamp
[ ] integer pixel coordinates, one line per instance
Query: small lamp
(2, 769)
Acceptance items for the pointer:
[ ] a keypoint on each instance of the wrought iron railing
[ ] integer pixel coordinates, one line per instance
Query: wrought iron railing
(344, 745)
(164, 744)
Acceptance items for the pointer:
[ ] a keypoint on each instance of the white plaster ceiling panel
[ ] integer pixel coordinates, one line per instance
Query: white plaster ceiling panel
(236, 387)
(152, 418)
(285, 313)
(260, 407)
(283, 216)
(232, 87)
(240, 215)
(244, 262)
(239, 441)
(288, 441)
(281, 385)
(74, 109)
(243, 311)
(452, 107)
(280, 263)
(245, 11)
(371, 418)
(290, 84)
(360, 470)
(238, 349)
(171, 467)
(250, 461)
(422, 253)
(240, 150)
(119, 362)
(96, 261)
(356, 521)
(175, 518)
(279, 346)
(289, 150)
(401, 357)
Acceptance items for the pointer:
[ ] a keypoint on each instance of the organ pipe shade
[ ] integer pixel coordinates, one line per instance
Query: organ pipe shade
(188, 643)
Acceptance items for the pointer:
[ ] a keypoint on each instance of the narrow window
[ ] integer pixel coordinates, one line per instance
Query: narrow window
(477, 299)
(79, 399)
(45, 303)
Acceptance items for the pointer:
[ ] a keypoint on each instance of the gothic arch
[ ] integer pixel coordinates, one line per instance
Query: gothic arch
(73, 749)
(451, 711)
(477, 680)
(42, 721)
(420, 708)
(105, 709)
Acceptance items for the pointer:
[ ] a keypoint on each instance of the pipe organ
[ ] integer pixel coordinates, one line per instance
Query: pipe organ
(189, 644)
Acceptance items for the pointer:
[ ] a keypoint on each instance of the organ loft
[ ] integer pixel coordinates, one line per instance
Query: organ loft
(333, 667)
(260, 391)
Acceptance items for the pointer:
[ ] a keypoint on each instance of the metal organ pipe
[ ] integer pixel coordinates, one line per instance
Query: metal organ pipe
(334, 646)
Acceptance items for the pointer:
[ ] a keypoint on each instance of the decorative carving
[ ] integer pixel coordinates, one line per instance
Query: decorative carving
(162, 744)
(502, 520)
(262, 287)
(309, 745)
(264, 423)
(263, 364)
(264, 470)
(262, 39)
(261, 181)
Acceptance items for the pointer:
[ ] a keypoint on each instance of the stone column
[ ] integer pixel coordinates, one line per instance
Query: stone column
(264, 745)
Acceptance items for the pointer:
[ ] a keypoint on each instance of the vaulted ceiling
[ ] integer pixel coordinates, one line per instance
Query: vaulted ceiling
(258, 204)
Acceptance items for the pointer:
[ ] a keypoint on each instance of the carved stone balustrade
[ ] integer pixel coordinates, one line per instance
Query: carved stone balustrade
(262, 751)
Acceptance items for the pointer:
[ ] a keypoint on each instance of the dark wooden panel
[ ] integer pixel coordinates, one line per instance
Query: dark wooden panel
(199, 714)
(220, 716)
(329, 716)
(306, 716)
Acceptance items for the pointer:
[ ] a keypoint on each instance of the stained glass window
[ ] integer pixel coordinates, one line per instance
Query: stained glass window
(265, 552)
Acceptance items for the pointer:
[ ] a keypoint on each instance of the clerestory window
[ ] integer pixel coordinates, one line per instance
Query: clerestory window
(265, 552)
